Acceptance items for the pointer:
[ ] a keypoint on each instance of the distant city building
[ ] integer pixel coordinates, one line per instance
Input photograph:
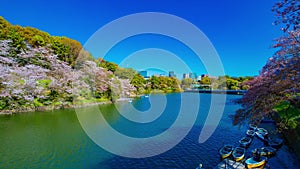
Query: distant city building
(193, 75)
(172, 74)
(144, 73)
(186, 75)
(190, 75)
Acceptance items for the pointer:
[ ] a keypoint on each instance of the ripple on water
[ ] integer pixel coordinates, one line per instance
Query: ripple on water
(56, 140)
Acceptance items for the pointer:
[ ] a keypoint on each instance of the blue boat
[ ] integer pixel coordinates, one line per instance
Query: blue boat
(245, 141)
(226, 151)
(253, 163)
(262, 134)
(266, 151)
(238, 153)
(250, 133)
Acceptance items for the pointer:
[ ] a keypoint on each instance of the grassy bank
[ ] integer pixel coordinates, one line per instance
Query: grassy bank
(52, 107)
(78, 104)
(286, 117)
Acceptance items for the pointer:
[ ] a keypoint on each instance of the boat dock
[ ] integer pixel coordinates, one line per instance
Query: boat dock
(230, 164)
(233, 92)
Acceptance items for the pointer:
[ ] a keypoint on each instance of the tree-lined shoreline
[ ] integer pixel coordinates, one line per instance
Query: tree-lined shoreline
(42, 72)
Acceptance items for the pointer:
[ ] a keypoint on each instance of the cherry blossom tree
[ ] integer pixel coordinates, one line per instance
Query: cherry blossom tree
(127, 88)
(279, 80)
(38, 70)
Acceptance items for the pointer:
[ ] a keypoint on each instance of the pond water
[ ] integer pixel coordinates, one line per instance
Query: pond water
(55, 139)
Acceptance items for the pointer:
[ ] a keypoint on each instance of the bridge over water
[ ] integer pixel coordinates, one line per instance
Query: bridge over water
(234, 92)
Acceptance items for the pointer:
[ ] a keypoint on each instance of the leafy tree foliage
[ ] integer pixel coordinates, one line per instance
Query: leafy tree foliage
(74, 48)
(205, 81)
(17, 43)
(66, 49)
(33, 36)
(138, 82)
(125, 73)
(187, 82)
(224, 83)
(38, 40)
(155, 83)
(4, 28)
(165, 84)
(107, 65)
(232, 84)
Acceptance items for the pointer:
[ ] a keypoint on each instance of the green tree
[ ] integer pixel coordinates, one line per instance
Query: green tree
(108, 65)
(232, 84)
(125, 73)
(29, 34)
(173, 84)
(187, 82)
(74, 49)
(138, 82)
(61, 50)
(38, 40)
(17, 42)
(4, 28)
(205, 81)
(163, 83)
(155, 83)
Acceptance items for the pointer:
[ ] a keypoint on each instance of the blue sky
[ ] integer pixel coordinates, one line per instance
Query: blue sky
(241, 31)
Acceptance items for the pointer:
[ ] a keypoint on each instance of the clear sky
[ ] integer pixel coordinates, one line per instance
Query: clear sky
(241, 31)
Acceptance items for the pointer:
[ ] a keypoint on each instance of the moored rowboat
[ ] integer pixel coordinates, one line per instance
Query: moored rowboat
(252, 163)
(262, 133)
(226, 151)
(266, 151)
(238, 153)
(250, 133)
(245, 141)
(252, 127)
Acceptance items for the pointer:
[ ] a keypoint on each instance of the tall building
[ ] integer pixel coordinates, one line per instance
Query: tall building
(144, 73)
(172, 74)
(193, 75)
(186, 75)
(198, 78)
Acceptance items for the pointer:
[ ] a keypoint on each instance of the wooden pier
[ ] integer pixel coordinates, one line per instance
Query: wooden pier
(230, 164)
